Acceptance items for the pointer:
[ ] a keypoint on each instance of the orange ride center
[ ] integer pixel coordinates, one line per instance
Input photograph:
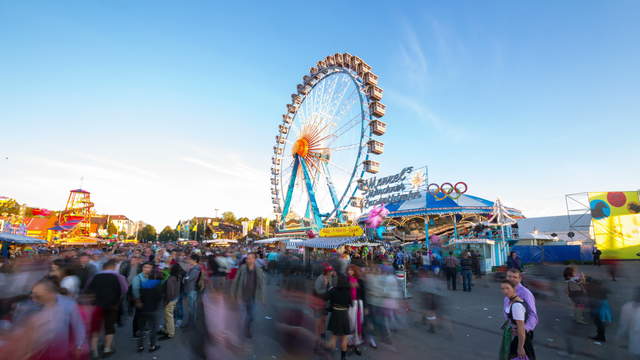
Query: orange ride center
(301, 147)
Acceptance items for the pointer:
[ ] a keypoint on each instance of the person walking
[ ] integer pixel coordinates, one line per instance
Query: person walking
(86, 270)
(466, 266)
(147, 294)
(107, 288)
(190, 288)
(515, 278)
(55, 332)
(339, 324)
(596, 255)
(516, 311)
(356, 311)
(514, 262)
(630, 325)
(247, 287)
(476, 258)
(451, 271)
(576, 292)
(324, 282)
(171, 292)
(600, 309)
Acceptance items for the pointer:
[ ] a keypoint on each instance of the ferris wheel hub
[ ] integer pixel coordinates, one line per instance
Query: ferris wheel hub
(300, 147)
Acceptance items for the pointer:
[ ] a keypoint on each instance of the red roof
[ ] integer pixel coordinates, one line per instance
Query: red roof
(80, 191)
(118, 217)
(41, 224)
(100, 220)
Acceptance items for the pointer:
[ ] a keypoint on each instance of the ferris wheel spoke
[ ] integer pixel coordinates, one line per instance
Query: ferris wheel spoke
(343, 106)
(355, 120)
(333, 164)
(342, 148)
(339, 102)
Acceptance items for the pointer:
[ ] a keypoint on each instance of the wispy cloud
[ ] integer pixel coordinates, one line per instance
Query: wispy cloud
(418, 78)
(230, 167)
(121, 165)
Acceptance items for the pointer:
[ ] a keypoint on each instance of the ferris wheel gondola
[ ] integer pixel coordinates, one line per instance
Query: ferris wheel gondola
(326, 142)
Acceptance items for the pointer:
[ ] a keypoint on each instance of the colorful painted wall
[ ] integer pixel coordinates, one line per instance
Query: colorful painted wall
(616, 223)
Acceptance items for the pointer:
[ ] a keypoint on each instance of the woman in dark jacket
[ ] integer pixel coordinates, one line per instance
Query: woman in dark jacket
(339, 324)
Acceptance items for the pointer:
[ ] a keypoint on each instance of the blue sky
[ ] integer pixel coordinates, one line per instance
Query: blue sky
(169, 109)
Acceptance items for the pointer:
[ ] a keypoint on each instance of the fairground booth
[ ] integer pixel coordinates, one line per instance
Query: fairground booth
(453, 219)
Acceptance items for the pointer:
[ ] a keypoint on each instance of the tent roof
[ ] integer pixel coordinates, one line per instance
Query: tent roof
(427, 204)
(20, 239)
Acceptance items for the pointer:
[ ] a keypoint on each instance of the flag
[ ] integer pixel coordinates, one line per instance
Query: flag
(195, 227)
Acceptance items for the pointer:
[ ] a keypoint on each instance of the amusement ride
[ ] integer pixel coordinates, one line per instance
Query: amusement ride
(75, 220)
(326, 144)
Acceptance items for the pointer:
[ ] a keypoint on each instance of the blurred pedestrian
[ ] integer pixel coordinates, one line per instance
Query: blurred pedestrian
(324, 282)
(64, 271)
(466, 266)
(190, 288)
(339, 324)
(600, 309)
(630, 324)
(106, 290)
(86, 270)
(451, 271)
(576, 292)
(171, 292)
(514, 262)
(55, 332)
(596, 255)
(356, 311)
(249, 287)
(147, 294)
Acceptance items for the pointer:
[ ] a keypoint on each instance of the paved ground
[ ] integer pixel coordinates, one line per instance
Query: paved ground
(475, 320)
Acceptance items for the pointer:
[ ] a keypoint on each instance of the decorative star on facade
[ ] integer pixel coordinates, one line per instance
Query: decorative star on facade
(417, 180)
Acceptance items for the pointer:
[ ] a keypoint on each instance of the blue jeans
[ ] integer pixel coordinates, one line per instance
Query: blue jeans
(180, 308)
(250, 307)
(191, 298)
(466, 280)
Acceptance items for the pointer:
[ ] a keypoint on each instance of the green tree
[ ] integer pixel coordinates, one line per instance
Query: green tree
(229, 217)
(112, 229)
(10, 207)
(147, 234)
(168, 235)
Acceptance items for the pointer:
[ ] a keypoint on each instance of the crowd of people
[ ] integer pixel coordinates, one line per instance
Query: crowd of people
(69, 303)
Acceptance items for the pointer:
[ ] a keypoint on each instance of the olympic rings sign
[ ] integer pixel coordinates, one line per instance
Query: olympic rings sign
(441, 192)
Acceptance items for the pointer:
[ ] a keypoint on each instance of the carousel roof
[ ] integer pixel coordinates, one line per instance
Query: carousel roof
(427, 204)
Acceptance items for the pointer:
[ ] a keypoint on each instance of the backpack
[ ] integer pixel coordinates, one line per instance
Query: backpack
(527, 310)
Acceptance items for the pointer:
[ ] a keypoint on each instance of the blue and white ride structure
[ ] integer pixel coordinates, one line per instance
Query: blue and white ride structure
(326, 143)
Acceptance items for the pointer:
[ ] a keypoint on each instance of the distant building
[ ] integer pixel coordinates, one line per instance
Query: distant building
(556, 228)
(123, 224)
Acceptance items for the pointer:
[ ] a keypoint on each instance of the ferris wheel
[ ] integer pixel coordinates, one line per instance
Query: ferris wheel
(326, 142)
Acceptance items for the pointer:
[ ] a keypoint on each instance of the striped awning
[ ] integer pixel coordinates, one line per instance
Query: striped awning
(330, 242)
(293, 244)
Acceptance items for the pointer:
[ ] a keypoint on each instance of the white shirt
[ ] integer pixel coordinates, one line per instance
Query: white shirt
(72, 284)
(518, 311)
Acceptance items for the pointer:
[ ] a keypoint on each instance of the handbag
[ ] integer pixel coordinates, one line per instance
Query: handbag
(505, 344)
